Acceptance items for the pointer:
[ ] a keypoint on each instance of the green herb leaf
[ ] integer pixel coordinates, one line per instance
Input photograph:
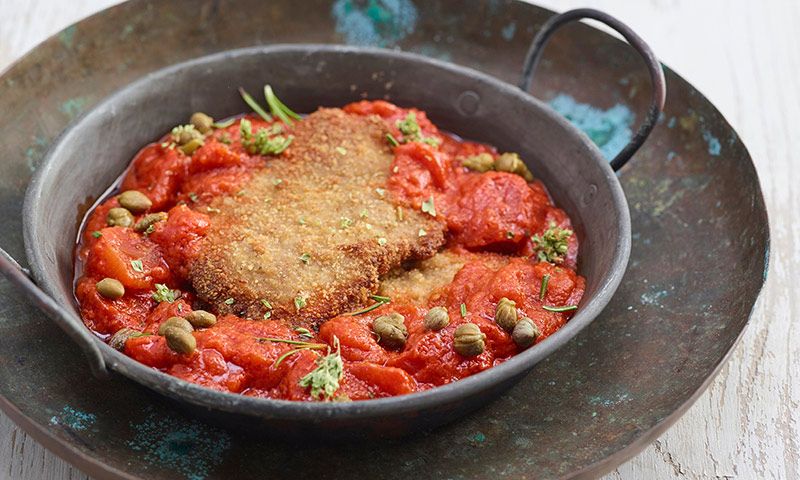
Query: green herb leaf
(137, 266)
(254, 105)
(299, 302)
(266, 303)
(224, 124)
(341, 150)
(225, 138)
(164, 294)
(304, 332)
(422, 232)
(382, 241)
(509, 235)
(97, 234)
(345, 222)
(324, 380)
(278, 108)
(305, 258)
(193, 197)
(380, 298)
(566, 308)
(543, 288)
(229, 301)
(428, 207)
(463, 310)
(552, 245)
(392, 141)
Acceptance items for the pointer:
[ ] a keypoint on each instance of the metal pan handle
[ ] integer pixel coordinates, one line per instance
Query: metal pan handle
(65, 319)
(653, 66)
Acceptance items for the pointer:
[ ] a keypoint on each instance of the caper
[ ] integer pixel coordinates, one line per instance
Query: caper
(149, 220)
(189, 147)
(468, 340)
(437, 318)
(110, 288)
(175, 322)
(135, 201)
(201, 122)
(391, 330)
(119, 217)
(505, 314)
(201, 319)
(525, 333)
(179, 340)
(511, 163)
(483, 162)
(118, 340)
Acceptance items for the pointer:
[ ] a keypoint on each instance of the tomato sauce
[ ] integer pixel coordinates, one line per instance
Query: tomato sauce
(494, 211)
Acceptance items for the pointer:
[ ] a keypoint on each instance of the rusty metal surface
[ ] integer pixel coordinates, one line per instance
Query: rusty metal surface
(679, 310)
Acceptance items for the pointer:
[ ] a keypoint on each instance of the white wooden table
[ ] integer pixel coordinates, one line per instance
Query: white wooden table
(745, 57)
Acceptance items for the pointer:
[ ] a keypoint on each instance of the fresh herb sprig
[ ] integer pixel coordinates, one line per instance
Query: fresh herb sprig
(324, 380)
(565, 308)
(552, 245)
(543, 288)
(251, 102)
(164, 294)
(278, 108)
(412, 132)
(379, 302)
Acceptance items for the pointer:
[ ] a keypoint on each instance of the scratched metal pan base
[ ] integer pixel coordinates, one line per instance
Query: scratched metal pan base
(582, 411)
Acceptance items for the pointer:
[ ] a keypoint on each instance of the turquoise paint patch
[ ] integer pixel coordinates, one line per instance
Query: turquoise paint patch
(671, 123)
(479, 437)
(73, 418)
(73, 107)
(508, 31)
(67, 36)
(714, 146)
(188, 447)
(35, 152)
(609, 129)
(380, 23)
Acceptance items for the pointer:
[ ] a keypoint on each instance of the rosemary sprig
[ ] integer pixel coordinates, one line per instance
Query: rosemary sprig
(225, 123)
(565, 308)
(324, 380)
(278, 108)
(250, 101)
(379, 302)
(543, 288)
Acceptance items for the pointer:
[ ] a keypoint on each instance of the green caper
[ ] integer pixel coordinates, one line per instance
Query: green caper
(505, 315)
(149, 220)
(201, 319)
(189, 147)
(437, 318)
(135, 201)
(391, 330)
(179, 340)
(119, 217)
(201, 122)
(525, 333)
(118, 340)
(483, 162)
(511, 163)
(110, 288)
(468, 340)
(175, 322)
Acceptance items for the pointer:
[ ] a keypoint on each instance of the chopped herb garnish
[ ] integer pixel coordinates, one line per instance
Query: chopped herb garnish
(509, 235)
(193, 197)
(345, 222)
(428, 207)
(137, 266)
(341, 150)
(150, 229)
(380, 298)
(324, 380)
(241, 193)
(225, 138)
(543, 288)
(380, 191)
(213, 210)
(553, 244)
(229, 301)
(363, 213)
(433, 141)
(463, 310)
(560, 309)
(381, 241)
(254, 105)
(302, 221)
(422, 232)
(379, 301)
(392, 141)
(305, 258)
(299, 302)
(304, 332)
(267, 315)
(266, 303)
(278, 108)
(164, 294)
(277, 182)
(97, 234)
(224, 124)
(412, 132)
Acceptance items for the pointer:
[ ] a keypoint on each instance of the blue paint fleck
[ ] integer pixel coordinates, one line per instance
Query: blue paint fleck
(714, 147)
(671, 123)
(610, 401)
(73, 107)
(508, 31)
(67, 36)
(380, 23)
(186, 446)
(609, 129)
(35, 152)
(653, 298)
(479, 437)
(73, 418)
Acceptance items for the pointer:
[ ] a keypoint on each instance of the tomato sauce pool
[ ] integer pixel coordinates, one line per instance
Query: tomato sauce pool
(506, 276)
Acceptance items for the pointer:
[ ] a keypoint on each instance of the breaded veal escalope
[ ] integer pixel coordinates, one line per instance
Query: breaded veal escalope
(315, 229)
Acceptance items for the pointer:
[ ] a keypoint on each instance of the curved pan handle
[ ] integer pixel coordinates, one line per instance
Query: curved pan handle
(656, 72)
(65, 319)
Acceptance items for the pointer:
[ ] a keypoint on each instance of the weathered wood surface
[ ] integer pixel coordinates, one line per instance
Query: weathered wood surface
(744, 56)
